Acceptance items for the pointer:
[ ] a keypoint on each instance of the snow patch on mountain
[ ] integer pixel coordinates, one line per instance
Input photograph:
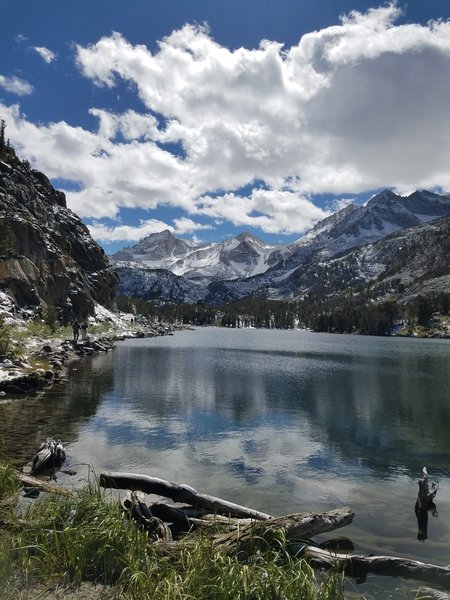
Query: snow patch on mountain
(240, 257)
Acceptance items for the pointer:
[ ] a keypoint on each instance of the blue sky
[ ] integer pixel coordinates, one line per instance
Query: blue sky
(211, 118)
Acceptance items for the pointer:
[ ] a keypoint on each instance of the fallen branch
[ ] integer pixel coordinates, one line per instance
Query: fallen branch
(177, 493)
(28, 480)
(186, 519)
(359, 566)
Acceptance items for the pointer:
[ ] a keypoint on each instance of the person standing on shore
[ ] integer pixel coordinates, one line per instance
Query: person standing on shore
(84, 327)
(76, 330)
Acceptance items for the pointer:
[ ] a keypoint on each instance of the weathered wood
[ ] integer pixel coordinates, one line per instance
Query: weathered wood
(134, 505)
(359, 566)
(257, 535)
(42, 485)
(183, 520)
(427, 593)
(426, 494)
(178, 493)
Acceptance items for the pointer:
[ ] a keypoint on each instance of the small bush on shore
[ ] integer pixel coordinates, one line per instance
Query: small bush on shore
(5, 338)
(50, 316)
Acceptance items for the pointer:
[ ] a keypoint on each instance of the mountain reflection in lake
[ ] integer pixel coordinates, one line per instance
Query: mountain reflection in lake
(282, 421)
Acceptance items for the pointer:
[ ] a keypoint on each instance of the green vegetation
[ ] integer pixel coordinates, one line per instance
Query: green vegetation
(7, 152)
(38, 328)
(5, 338)
(14, 338)
(65, 541)
(7, 239)
(2, 140)
(351, 313)
(103, 328)
(51, 318)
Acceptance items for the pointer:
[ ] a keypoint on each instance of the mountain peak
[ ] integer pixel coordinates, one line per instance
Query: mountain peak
(248, 237)
(384, 197)
(164, 234)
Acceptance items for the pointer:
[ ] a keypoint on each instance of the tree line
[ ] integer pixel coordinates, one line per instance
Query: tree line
(335, 315)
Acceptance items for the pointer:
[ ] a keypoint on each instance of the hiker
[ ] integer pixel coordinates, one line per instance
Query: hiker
(76, 330)
(84, 327)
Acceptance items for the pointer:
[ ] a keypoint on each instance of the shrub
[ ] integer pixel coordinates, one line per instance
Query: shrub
(50, 316)
(5, 338)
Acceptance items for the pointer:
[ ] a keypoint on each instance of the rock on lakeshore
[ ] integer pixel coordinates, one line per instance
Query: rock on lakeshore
(18, 379)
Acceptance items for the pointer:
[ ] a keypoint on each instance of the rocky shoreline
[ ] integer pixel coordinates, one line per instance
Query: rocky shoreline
(18, 379)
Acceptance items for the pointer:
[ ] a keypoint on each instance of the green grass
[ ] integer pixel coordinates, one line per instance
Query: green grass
(62, 541)
(40, 329)
(103, 328)
(66, 541)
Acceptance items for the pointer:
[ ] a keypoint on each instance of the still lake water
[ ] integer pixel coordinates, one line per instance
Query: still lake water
(282, 421)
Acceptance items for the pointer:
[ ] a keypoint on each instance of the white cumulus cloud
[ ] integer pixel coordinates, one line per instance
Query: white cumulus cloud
(131, 233)
(15, 85)
(351, 108)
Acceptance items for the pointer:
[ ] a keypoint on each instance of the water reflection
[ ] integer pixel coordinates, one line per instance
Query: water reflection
(370, 408)
(61, 411)
(282, 421)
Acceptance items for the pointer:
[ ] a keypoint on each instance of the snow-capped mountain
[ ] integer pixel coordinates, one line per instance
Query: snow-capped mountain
(240, 257)
(403, 262)
(382, 215)
(157, 251)
(222, 272)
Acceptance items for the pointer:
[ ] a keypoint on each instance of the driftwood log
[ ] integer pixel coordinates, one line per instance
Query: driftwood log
(359, 566)
(134, 505)
(253, 531)
(177, 493)
(250, 526)
(28, 480)
(248, 539)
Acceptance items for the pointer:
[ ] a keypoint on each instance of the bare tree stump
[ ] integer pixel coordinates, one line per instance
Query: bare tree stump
(425, 503)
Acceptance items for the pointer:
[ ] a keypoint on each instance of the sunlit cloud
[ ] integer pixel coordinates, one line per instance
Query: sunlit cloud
(130, 233)
(351, 108)
(15, 85)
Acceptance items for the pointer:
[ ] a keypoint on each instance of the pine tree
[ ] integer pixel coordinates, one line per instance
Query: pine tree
(2, 140)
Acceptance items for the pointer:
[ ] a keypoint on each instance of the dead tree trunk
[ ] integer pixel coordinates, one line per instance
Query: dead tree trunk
(424, 504)
(359, 566)
(178, 493)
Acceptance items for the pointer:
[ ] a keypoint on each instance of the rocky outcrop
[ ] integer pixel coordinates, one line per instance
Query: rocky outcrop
(47, 256)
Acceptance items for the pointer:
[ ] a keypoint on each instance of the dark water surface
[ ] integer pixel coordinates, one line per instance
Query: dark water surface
(282, 421)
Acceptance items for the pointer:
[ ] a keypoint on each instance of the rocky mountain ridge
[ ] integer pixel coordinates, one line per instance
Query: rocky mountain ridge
(229, 271)
(240, 257)
(47, 256)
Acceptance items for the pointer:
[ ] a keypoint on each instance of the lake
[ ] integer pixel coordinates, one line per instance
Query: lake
(281, 421)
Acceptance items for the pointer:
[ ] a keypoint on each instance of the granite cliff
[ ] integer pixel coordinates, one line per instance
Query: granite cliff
(47, 256)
